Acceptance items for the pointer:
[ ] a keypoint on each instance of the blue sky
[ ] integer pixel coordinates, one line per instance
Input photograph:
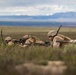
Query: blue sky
(36, 7)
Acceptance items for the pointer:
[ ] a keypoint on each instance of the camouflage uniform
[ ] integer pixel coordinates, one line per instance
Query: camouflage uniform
(58, 40)
(26, 41)
(31, 40)
(38, 41)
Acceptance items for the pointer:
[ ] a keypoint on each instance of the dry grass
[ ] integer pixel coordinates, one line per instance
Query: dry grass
(13, 55)
(16, 29)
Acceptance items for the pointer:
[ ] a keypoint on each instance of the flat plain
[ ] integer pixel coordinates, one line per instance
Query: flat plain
(11, 56)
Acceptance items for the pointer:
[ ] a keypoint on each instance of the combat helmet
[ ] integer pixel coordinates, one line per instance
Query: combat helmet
(26, 36)
(51, 33)
(7, 39)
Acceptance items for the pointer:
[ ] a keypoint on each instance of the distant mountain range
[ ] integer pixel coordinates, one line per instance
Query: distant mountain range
(62, 16)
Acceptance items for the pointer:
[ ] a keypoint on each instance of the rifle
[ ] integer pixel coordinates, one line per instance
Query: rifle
(63, 41)
(46, 43)
(58, 30)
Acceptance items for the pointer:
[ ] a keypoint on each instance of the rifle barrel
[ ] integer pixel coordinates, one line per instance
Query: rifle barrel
(58, 30)
(66, 42)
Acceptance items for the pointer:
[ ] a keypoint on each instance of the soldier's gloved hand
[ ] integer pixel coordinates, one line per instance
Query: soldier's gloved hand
(73, 41)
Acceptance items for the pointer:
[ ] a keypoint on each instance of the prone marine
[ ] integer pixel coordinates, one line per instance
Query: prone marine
(59, 40)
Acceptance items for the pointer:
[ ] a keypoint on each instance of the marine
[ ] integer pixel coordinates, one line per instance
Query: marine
(28, 40)
(59, 40)
(8, 41)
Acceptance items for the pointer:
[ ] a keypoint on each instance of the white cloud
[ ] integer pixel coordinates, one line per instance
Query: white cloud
(44, 9)
(36, 7)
